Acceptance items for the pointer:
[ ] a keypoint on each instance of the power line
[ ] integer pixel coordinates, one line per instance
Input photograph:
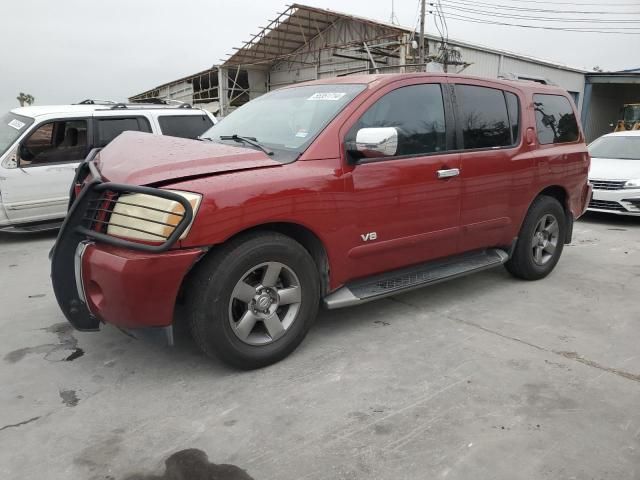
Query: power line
(574, 4)
(474, 3)
(443, 19)
(611, 30)
(417, 22)
(537, 18)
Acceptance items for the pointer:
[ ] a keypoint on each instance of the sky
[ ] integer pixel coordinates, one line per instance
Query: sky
(64, 51)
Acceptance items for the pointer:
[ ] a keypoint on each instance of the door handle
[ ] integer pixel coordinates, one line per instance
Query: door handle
(448, 173)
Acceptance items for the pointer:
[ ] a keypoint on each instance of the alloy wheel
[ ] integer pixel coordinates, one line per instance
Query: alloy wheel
(545, 239)
(265, 303)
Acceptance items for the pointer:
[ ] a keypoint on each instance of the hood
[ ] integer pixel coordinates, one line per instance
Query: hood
(144, 159)
(614, 169)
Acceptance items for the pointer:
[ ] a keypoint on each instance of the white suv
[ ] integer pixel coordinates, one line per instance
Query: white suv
(41, 146)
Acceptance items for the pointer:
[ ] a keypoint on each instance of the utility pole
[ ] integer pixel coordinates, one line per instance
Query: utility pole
(421, 45)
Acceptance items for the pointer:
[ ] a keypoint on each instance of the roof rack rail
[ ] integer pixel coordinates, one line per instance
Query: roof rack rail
(145, 105)
(95, 101)
(150, 100)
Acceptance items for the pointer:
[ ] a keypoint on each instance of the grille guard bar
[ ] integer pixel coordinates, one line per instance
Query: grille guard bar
(156, 192)
(97, 186)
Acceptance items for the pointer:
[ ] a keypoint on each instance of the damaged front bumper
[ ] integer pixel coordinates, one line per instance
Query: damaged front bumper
(98, 278)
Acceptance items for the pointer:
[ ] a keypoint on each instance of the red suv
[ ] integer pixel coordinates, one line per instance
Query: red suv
(337, 191)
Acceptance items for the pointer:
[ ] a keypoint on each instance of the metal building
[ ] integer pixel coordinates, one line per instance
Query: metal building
(307, 43)
(605, 95)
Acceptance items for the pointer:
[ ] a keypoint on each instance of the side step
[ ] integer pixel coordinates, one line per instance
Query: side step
(403, 280)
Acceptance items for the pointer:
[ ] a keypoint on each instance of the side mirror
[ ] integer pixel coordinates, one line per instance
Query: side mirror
(376, 142)
(11, 160)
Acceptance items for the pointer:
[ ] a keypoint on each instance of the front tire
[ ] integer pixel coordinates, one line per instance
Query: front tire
(252, 302)
(540, 241)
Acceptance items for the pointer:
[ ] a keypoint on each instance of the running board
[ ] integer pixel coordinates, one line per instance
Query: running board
(32, 228)
(403, 280)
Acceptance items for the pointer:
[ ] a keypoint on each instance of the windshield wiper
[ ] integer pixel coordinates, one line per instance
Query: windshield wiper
(250, 140)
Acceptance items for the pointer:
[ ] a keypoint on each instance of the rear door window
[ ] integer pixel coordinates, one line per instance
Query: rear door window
(555, 120)
(109, 128)
(185, 126)
(416, 111)
(483, 117)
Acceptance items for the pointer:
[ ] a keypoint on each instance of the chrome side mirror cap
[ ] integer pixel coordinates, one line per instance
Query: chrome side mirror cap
(377, 142)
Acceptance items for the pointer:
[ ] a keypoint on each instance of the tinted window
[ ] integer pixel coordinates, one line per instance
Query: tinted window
(513, 105)
(55, 142)
(185, 126)
(483, 116)
(417, 112)
(110, 128)
(555, 120)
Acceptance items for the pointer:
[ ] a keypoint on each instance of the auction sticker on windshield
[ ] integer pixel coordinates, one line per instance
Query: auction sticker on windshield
(17, 124)
(331, 96)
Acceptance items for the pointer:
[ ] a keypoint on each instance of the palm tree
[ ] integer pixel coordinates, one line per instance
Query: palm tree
(25, 98)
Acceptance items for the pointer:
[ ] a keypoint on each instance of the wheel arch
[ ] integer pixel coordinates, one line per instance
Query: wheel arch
(309, 240)
(559, 193)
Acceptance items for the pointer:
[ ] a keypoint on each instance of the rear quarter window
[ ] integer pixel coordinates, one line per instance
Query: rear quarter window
(185, 126)
(555, 120)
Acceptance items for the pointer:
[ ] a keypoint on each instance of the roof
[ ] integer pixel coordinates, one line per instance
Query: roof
(213, 69)
(293, 29)
(626, 133)
(385, 78)
(39, 110)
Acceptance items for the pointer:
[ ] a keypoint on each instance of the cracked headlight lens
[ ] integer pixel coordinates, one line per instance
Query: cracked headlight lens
(138, 216)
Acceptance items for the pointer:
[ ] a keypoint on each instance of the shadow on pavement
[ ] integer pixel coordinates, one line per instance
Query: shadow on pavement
(15, 237)
(611, 219)
(194, 464)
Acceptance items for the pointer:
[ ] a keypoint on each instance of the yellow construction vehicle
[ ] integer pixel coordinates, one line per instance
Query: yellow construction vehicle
(630, 118)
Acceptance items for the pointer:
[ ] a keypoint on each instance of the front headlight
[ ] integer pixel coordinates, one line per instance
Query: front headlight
(632, 183)
(138, 216)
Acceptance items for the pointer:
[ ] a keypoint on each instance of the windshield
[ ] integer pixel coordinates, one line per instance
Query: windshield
(632, 113)
(286, 121)
(618, 147)
(11, 127)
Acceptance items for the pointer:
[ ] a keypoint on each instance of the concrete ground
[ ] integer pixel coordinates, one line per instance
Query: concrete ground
(484, 377)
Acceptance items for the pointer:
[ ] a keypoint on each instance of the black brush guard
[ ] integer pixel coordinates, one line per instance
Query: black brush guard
(83, 224)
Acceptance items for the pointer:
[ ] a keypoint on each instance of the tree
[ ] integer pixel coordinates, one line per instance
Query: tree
(25, 98)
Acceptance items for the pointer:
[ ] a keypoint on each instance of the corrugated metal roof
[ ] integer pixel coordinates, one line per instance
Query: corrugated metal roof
(293, 29)
(179, 80)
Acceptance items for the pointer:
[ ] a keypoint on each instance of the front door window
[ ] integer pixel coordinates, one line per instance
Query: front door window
(60, 141)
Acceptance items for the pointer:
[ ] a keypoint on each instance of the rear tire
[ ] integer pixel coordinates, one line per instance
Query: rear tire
(540, 241)
(252, 302)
